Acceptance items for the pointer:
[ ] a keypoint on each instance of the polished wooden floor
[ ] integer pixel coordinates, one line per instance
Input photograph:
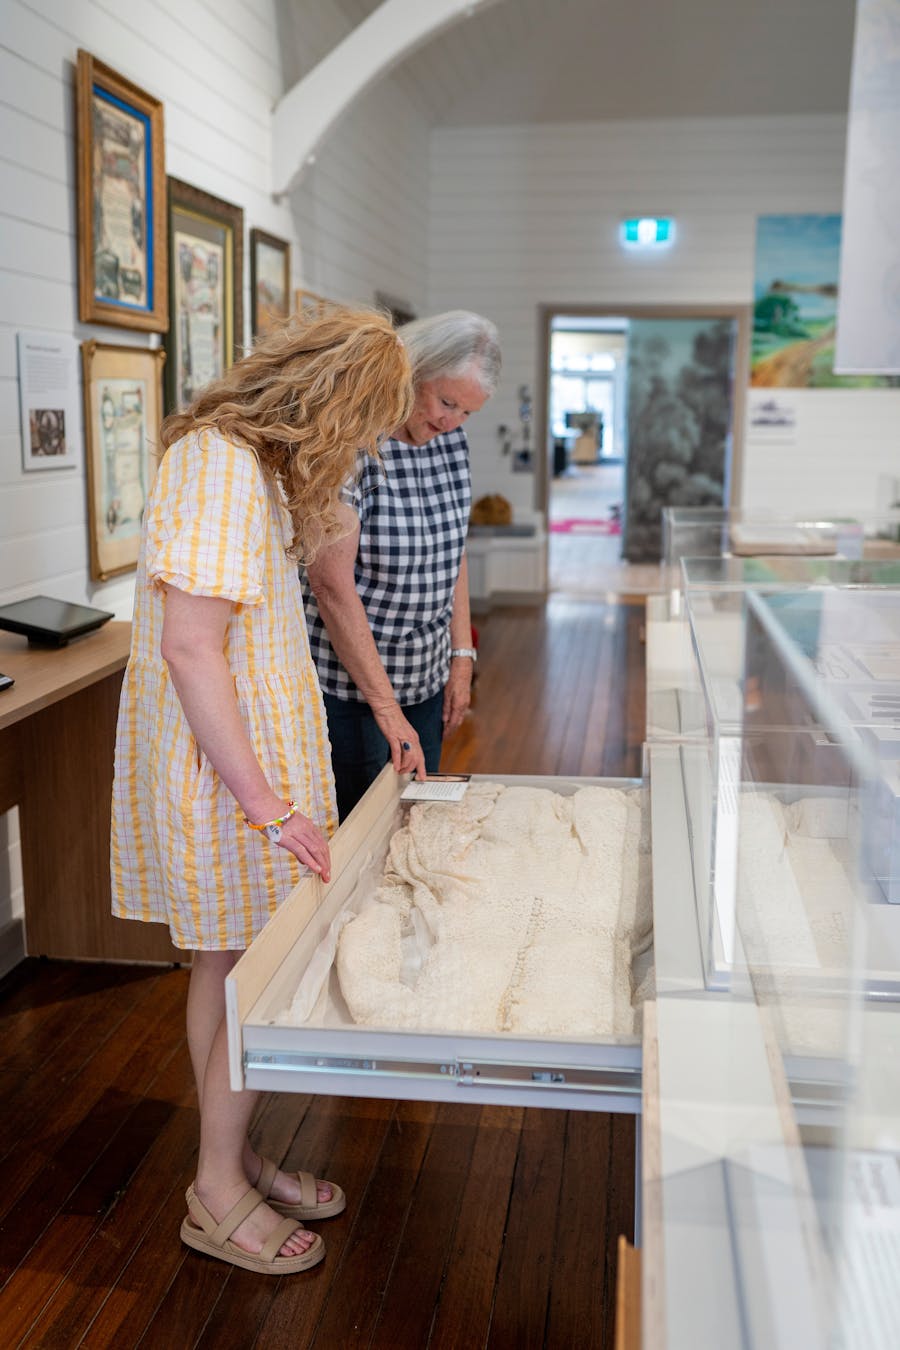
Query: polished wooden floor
(466, 1227)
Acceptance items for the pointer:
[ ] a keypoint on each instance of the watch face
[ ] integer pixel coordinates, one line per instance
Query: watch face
(273, 832)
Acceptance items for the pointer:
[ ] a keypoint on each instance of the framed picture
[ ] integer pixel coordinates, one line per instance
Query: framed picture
(311, 303)
(122, 417)
(122, 269)
(270, 280)
(206, 269)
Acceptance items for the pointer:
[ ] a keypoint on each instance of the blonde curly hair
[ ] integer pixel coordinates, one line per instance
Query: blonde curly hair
(306, 399)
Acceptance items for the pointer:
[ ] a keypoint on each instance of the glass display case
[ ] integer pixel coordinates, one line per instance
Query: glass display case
(694, 661)
(674, 690)
(779, 1095)
(853, 655)
(718, 531)
(782, 572)
(817, 932)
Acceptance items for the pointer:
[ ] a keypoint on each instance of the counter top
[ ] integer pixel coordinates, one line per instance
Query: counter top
(44, 675)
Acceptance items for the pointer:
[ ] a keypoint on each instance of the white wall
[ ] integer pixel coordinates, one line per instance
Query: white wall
(528, 215)
(356, 224)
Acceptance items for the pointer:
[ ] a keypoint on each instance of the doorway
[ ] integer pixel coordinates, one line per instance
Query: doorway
(586, 404)
(638, 409)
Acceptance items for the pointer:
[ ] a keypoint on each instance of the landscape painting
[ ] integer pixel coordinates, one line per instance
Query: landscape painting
(795, 305)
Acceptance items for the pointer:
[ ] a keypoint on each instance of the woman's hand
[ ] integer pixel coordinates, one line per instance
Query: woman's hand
(307, 843)
(407, 755)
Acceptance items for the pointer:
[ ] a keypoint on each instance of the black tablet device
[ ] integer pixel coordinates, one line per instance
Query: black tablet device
(49, 622)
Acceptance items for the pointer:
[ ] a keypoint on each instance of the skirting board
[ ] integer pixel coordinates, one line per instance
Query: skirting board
(12, 945)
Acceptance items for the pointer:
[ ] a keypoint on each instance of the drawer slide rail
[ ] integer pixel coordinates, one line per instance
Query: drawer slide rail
(465, 1072)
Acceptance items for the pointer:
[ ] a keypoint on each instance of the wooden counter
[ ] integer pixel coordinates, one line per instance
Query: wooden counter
(57, 742)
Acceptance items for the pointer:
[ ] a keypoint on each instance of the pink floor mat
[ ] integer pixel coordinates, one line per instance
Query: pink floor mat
(576, 526)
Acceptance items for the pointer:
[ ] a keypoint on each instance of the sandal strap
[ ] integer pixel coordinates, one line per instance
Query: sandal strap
(266, 1179)
(309, 1191)
(248, 1202)
(277, 1238)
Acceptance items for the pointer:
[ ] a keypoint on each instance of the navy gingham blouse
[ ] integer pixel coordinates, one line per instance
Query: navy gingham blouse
(414, 513)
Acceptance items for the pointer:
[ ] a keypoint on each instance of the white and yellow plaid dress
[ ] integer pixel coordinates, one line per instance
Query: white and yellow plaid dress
(181, 852)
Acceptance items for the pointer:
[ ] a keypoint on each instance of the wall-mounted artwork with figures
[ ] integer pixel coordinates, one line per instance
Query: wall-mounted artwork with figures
(270, 281)
(122, 417)
(206, 253)
(122, 268)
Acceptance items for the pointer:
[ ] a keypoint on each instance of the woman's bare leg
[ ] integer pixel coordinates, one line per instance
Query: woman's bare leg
(224, 1115)
(206, 1008)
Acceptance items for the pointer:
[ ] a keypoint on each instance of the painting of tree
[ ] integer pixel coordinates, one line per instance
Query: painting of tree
(680, 378)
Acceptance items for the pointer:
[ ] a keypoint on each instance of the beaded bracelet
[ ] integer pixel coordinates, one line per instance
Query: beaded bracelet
(272, 828)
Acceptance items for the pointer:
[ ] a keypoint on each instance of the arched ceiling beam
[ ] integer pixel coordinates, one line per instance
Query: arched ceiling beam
(390, 33)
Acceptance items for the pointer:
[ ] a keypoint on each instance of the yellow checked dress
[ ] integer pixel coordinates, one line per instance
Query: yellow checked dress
(181, 852)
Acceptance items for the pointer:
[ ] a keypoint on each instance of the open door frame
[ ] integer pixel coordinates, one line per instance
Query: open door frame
(548, 312)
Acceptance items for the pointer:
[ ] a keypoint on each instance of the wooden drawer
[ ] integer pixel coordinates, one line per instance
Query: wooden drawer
(502, 1069)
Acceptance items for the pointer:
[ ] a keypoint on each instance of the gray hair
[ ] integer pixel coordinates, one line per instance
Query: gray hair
(453, 344)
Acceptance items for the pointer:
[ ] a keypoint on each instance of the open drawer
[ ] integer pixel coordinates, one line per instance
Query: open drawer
(352, 1060)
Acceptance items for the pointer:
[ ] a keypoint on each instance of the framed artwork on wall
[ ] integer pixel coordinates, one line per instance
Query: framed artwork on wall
(206, 279)
(122, 418)
(270, 281)
(121, 175)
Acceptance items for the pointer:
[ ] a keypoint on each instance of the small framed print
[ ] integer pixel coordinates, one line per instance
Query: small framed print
(122, 268)
(206, 257)
(270, 281)
(122, 418)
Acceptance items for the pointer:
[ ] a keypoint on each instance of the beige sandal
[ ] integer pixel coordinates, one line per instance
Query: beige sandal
(308, 1206)
(213, 1238)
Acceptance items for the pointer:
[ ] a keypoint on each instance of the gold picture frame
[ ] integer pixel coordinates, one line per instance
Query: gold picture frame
(121, 177)
(122, 418)
(206, 294)
(270, 281)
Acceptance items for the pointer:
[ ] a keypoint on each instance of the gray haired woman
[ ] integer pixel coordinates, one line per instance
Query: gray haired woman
(387, 606)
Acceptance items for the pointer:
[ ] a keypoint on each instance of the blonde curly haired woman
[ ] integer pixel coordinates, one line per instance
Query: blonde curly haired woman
(223, 789)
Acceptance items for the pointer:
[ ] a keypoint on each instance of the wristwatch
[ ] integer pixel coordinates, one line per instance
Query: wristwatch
(464, 651)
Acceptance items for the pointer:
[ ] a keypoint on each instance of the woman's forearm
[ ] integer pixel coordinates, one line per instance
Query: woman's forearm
(205, 689)
(193, 643)
(193, 647)
(461, 618)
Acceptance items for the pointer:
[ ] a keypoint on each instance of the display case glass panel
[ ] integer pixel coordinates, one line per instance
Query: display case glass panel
(780, 572)
(817, 923)
(714, 532)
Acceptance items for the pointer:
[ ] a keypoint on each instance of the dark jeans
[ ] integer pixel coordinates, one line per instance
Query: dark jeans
(359, 751)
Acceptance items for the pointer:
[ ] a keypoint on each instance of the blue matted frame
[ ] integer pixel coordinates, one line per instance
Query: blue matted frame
(127, 292)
